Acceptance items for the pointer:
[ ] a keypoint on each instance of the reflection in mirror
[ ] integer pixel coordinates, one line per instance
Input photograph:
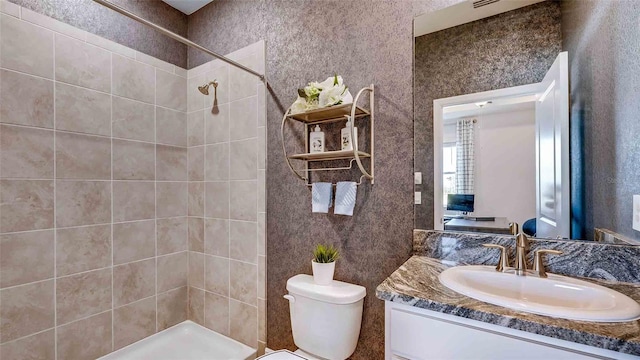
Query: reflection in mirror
(506, 132)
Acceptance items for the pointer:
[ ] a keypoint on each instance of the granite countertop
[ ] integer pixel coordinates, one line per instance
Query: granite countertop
(416, 283)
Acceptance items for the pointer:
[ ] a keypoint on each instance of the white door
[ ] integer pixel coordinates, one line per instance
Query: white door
(552, 152)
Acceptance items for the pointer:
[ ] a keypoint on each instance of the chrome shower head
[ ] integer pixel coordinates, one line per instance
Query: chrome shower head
(204, 89)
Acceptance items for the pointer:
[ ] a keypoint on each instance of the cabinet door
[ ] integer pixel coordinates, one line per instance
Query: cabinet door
(420, 337)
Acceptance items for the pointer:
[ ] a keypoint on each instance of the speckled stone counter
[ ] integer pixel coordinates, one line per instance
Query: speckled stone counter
(416, 283)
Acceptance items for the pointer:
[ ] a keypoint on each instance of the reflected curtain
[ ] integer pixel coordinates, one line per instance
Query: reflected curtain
(465, 156)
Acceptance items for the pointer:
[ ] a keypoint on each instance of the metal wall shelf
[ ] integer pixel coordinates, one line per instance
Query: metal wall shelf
(327, 115)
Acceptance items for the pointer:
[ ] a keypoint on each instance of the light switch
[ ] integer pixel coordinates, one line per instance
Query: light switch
(636, 212)
(417, 198)
(417, 178)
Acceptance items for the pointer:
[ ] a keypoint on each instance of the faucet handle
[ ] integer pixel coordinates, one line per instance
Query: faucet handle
(522, 241)
(503, 262)
(538, 262)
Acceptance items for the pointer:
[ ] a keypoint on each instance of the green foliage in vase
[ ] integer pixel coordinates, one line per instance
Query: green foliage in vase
(325, 254)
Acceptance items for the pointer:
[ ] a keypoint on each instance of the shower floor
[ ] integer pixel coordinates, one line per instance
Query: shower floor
(185, 341)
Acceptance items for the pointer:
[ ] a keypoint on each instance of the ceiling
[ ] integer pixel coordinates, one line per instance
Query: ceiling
(188, 6)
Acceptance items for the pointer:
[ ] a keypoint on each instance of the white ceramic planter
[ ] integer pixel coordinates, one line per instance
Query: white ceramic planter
(323, 272)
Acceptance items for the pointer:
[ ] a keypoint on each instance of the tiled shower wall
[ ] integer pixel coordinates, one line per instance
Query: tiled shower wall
(227, 198)
(93, 191)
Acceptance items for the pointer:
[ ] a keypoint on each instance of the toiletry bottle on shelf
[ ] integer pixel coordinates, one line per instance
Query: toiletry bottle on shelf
(345, 134)
(316, 141)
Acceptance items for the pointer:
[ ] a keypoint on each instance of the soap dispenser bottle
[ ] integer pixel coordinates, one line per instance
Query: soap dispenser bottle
(345, 134)
(316, 141)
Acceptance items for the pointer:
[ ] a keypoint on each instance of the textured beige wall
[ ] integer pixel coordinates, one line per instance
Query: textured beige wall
(93, 191)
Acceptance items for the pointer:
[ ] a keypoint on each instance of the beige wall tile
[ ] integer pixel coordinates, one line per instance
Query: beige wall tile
(172, 271)
(82, 203)
(195, 99)
(243, 118)
(262, 191)
(133, 120)
(244, 277)
(243, 240)
(262, 106)
(134, 241)
(245, 199)
(171, 91)
(110, 45)
(82, 110)
(134, 281)
(132, 79)
(196, 305)
(196, 199)
(262, 237)
(217, 237)
(82, 64)
(26, 47)
(26, 152)
(172, 198)
(26, 257)
(262, 277)
(52, 24)
(172, 235)
(134, 322)
(133, 160)
(196, 234)
(216, 275)
(82, 157)
(216, 165)
(171, 127)
(243, 160)
(26, 100)
(26, 205)
(196, 163)
(89, 338)
(10, 8)
(133, 200)
(196, 269)
(195, 128)
(163, 65)
(219, 71)
(216, 124)
(217, 200)
(241, 83)
(244, 323)
(262, 320)
(33, 302)
(262, 148)
(82, 295)
(172, 308)
(83, 249)
(216, 313)
(41, 346)
(171, 163)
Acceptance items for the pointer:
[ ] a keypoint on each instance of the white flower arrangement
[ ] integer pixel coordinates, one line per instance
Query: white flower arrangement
(320, 95)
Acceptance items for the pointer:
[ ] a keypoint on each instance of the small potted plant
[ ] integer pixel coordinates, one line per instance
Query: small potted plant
(324, 264)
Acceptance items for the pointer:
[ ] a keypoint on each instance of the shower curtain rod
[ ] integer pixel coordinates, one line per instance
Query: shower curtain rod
(175, 36)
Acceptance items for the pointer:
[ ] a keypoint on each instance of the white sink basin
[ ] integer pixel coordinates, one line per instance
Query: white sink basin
(557, 296)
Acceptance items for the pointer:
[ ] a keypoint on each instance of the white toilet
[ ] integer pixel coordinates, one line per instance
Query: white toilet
(325, 320)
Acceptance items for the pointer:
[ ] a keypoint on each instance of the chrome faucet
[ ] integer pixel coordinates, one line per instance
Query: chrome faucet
(522, 246)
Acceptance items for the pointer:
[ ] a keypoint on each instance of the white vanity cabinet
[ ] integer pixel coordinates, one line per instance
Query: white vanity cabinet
(417, 334)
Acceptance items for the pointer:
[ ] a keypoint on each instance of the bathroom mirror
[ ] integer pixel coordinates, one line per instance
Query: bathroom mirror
(524, 118)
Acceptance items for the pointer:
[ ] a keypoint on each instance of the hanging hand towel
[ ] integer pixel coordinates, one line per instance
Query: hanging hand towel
(321, 197)
(345, 198)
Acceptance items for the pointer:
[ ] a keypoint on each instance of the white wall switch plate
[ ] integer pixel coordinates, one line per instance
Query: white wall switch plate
(636, 212)
(417, 178)
(417, 198)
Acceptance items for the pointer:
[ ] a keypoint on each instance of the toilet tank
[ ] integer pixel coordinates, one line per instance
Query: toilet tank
(325, 320)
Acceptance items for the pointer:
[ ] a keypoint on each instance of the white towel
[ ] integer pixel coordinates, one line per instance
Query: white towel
(345, 198)
(321, 197)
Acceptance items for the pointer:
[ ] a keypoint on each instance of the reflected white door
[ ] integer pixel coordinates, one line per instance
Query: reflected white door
(552, 152)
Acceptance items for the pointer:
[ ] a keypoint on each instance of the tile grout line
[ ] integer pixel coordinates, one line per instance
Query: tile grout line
(155, 187)
(55, 212)
(113, 326)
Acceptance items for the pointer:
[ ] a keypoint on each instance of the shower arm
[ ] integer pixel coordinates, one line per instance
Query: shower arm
(175, 36)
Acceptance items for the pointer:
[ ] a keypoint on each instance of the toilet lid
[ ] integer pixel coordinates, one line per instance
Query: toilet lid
(281, 355)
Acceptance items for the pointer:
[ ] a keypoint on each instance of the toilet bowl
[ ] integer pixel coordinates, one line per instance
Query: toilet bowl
(325, 319)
